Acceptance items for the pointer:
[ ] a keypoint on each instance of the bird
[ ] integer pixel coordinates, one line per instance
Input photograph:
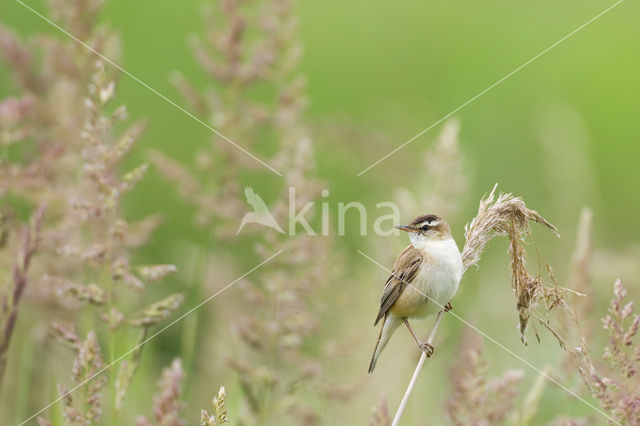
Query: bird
(424, 279)
(260, 214)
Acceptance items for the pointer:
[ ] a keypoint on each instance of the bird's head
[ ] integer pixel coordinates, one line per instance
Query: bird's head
(427, 227)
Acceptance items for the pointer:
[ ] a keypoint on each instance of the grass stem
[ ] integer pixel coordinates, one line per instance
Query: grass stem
(416, 372)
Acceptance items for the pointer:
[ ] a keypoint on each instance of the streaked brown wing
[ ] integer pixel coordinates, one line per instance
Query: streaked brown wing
(404, 271)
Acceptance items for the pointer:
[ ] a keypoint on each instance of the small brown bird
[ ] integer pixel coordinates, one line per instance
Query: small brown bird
(425, 278)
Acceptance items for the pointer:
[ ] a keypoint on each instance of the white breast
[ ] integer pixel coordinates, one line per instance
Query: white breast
(440, 275)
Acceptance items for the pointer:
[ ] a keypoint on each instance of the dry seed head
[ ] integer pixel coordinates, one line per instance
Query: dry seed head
(156, 272)
(167, 403)
(508, 216)
(67, 335)
(82, 293)
(505, 216)
(158, 311)
(113, 318)
(134, 176)
(219, 406)
(220, 413)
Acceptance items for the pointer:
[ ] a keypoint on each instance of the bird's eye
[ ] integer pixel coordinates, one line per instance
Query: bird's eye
(425, 227)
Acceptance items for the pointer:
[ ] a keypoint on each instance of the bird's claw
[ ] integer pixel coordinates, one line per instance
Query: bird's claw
(427, 348)
(448, 307)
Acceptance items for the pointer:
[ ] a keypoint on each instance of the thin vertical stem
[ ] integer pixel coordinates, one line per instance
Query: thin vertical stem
(416, 372)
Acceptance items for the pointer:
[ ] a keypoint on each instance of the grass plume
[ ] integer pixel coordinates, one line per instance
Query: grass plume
(508, 216)
(219, 414)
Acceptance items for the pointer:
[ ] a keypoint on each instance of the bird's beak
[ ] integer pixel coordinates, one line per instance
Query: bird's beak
(406, 228)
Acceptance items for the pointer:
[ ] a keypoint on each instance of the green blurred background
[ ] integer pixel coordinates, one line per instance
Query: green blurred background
(562, 133)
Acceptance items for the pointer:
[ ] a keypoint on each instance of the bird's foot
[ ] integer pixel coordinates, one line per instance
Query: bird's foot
(448, 307)
(427, 348)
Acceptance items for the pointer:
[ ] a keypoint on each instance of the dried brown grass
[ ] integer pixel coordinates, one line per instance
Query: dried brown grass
(508, 216)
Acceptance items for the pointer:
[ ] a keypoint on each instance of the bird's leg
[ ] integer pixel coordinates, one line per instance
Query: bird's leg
(424, 346)
(448, 307)
(406, 322)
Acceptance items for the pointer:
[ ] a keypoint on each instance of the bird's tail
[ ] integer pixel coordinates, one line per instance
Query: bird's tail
(389, 325)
